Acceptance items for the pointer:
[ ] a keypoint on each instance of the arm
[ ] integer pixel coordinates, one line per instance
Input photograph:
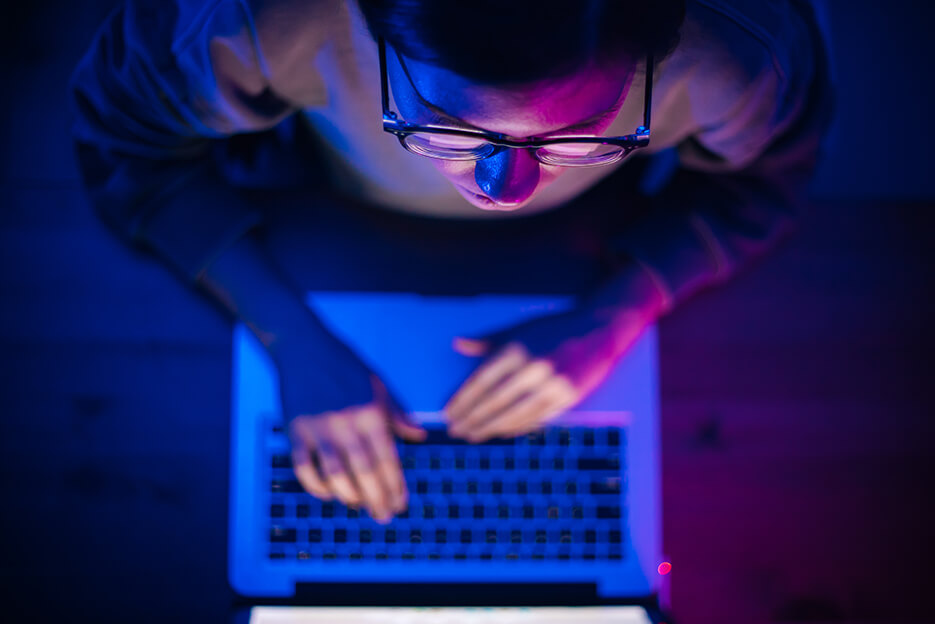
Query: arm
(161, 84)
(741, 188)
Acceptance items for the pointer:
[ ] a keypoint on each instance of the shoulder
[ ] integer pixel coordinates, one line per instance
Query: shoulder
(742, 41)
(742, 72)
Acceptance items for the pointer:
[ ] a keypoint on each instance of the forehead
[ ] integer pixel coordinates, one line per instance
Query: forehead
(527, 109)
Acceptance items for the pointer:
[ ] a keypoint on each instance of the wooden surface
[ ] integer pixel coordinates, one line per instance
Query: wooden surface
(796, 404)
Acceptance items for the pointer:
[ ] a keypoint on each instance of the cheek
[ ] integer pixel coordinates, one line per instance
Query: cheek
(460, 172)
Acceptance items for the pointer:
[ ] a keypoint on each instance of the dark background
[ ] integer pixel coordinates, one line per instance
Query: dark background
(796, 401)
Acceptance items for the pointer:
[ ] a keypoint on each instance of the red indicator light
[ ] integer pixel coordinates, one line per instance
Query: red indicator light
(664, 568)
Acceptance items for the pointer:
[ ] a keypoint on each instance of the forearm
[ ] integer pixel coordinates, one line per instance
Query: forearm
(246, 283)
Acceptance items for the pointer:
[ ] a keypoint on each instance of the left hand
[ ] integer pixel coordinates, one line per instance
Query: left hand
(536, 370)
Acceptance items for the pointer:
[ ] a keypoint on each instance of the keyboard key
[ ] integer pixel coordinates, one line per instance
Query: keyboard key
(558, 463)
(554, 512)
(447, 486)
(577, 513)
(454, 511)
(606, 486)
(491, 536)
(590, 536)
(441, 536)
(340, 536)
(496, 487)
(608, 511)
(521, 487)
(422, 486)
(571, 487)
(328, 510)
(460, 463)
(389, 536)
(415, 536)
(529, 512)
(281, 535)
(365, 536)
(587, 438)
(285, 486)
(484, 463)
(565, 536)
(281, 461)
(564, 437)
(302, 511)
(277, 554)
(516, 536)
(614, 537)
(503, 511)
(546, 487)
(303, 555)
(534, 463)
(466, 537)
(613, 437)
(314, 536)
(598, 463)
(509, 463)
(478, 512)
(428, 512)
(277, 510)
(541, 536)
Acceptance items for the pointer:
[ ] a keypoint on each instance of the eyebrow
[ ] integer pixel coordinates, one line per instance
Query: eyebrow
(443, 116)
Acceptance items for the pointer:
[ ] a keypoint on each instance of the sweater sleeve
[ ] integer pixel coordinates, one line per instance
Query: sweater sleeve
(162, 81)
(741, 182)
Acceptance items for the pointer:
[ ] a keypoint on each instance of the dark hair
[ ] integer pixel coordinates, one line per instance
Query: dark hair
(514, 41)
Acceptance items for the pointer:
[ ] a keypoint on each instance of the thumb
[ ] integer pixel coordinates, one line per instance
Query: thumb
(401, 424)
(471, 347)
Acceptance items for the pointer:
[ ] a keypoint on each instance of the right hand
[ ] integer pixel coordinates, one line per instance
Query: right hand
(342, 420)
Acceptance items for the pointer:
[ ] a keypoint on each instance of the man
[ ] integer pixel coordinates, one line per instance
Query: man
(508, 110)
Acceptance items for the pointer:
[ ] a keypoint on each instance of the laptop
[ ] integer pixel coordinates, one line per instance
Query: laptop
(575, 503)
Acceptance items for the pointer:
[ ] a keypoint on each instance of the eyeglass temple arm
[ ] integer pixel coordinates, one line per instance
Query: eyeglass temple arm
(648, 94)
(384, 82)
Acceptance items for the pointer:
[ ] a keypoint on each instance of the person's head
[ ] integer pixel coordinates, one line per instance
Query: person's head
(521, 68)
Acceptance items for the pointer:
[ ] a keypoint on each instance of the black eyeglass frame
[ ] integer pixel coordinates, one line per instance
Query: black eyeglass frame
(402, 129)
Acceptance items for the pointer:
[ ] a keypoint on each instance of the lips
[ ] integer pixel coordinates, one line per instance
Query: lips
(485, 203)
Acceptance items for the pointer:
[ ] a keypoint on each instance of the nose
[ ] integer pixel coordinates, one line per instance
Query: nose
(509, 177)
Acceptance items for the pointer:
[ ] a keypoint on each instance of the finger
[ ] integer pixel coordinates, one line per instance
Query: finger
(509, 359)
(403, 427)
(400, 422)
(555, 399)
(525, 415)
(357, 458)
(388, 468)
(307, 474)
(363, 471)
(470, 347)
(526, 379)
(335, 473)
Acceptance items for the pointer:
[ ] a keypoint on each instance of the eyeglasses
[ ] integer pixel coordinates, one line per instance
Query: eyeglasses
(470, 145)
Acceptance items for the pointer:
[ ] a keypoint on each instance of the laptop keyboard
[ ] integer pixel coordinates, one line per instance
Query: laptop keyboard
(555, 494)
